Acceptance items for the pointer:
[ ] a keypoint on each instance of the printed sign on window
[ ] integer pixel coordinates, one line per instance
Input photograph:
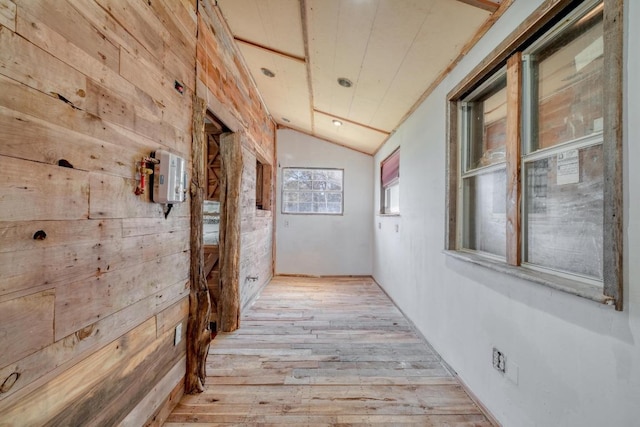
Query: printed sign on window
(568, 167)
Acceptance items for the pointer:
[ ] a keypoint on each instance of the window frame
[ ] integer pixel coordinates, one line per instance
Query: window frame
(509, 52)
(282, 191)
(395, 182)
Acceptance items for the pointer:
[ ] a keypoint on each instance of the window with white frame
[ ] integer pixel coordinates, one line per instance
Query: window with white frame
(534, 161)
(312, 191)
(390, 184)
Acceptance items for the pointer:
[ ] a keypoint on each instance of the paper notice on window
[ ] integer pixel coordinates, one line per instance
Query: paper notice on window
(568, 167)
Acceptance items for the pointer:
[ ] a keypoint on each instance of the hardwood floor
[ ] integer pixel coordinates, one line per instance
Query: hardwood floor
(325, 352)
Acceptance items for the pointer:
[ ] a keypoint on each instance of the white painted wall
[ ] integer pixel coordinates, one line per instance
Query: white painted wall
(325, 244)
(577, 362)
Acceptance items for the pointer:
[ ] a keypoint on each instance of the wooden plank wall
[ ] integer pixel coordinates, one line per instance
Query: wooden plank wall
(221, 71)
(93, 279)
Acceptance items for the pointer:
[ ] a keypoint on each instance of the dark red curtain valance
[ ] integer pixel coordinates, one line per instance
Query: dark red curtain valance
(390, 168)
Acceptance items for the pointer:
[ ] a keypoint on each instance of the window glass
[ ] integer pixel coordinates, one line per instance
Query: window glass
(390, 183)
(567, 84)
(564, 211)
(392, 198)
(486, 121)
(485, 216)
(312, 191)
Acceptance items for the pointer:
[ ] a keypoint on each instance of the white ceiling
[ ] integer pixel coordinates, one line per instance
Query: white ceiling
(391, 50)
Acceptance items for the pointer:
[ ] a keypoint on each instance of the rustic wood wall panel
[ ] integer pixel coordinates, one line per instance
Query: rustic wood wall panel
(86, 89)
(36, 313)
(256, 236)
(8, 14)
(93, 279)
(234, 100)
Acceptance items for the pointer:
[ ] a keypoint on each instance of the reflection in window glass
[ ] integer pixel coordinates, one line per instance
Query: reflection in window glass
(317, 191)
(564, 215)
(485, 218)
(487, 125)
(567, 75)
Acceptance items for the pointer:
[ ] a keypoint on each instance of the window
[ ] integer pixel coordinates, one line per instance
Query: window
(312, 191)
(483, 133)
(535, 152)
(263, 186)
(390, 184)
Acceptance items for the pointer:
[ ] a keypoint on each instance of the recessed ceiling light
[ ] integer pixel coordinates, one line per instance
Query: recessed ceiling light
(344, 82)
(337, 123)
(267, 72)
(284, 119)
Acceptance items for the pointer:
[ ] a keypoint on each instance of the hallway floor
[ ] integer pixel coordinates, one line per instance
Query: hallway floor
(325, 352)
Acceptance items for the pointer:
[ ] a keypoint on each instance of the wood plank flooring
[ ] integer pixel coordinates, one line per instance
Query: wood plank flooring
(325, 352)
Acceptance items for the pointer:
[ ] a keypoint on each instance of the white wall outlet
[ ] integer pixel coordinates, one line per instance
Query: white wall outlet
(499, 360)
(178, 336)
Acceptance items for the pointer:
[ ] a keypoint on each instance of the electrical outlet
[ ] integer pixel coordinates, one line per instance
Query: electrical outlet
(178, 336)
(499, 360)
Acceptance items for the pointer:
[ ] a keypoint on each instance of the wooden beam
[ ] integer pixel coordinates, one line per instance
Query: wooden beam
(452, 165)
(230, 192)
(488, 5)
(514, 117)
(269, 49)
(613, 273)
(198, 333)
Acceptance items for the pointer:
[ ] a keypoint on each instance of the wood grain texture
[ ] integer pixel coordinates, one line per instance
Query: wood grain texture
(152, 406)
(38, 408)
(8, 14)
(70, 85)
(37, 369)
(453, 171)
(325, 352)
(26, 326)
(36, 191)
(198, 332)
(613, 273)
(230, 208)
(513, 146)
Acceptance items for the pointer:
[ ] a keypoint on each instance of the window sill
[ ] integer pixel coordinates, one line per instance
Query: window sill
(569, 286)
(389, 214)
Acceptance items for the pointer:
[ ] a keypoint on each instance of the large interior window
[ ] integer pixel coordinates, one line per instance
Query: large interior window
(312, 191)
(534, 162)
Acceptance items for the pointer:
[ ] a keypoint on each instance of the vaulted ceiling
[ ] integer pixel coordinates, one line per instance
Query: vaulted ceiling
(389, 53)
